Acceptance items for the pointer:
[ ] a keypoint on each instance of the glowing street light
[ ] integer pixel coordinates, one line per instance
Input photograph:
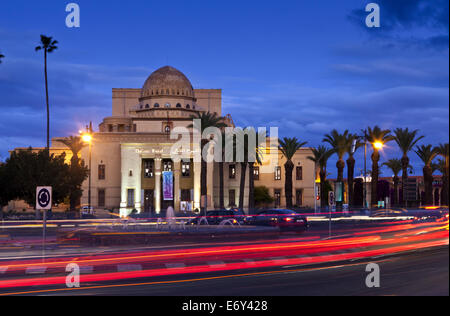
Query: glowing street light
(378, 145)
(87, 138)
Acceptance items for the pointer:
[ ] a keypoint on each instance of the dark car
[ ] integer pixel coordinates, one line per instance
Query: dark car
(285, 220)
(218, 216)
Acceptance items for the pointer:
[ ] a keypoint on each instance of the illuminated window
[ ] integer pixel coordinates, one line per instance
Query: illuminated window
(277, 173)
(256, 173)
(148, 169)
(232, 172)
(186, 169)
(277, 198)
(167, 129)
(167, 165)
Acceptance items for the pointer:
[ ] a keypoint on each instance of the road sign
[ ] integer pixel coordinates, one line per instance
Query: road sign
(331, 199)
(43, 198)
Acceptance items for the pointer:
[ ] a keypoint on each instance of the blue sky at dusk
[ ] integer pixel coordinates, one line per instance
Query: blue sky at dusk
(304, 66)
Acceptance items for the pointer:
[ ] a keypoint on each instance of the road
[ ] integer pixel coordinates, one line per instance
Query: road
(413, 258)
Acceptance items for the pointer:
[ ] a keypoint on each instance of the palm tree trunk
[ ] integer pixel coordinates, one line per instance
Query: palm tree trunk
(350, 176)
(340, 164)
(323, 197)
(242, 185)
(428, 181)
(373, 196)
(221, 194)
(288, 167)
(203, 179)
(444, 191)
(46, 97)
(251, 187)
(405, 164)
(395, 197)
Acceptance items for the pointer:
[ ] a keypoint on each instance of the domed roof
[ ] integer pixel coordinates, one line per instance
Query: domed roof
(167, 81)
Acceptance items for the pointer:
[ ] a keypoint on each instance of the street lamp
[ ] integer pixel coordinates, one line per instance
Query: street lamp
(87, 138)
(378, 145)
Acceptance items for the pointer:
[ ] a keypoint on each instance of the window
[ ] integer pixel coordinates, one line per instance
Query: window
(130, 173)
(186, 195)
(167, 165)
(148, 169)
(134, 128)
(277, 198)
(277, 173)
(130, 199)
(232, 172)
(232, 198)
(299, 173)
(101, 197)
(167, 129)
(167, 105)
(188, 106)
(156, 105)
(299, 197)
(101, 172)
(147, 106)
(255, 173)
(110, 128)
(178, 105)
(185, 169)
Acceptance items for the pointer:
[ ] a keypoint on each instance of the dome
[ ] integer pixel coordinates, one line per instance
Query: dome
(167, 81)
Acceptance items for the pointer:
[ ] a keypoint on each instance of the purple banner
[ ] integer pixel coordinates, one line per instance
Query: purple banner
(167, 185)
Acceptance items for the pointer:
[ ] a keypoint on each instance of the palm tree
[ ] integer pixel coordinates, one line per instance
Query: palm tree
(377, 137)
(320, 158)
(396, 166)
(75, 145)
(207, 120)
(427, 153)
(351, 165)
(48, 45)
(288, 147)
(1, 57)
(339, 144)
(443, 151)
(254, 156)
(406, 140)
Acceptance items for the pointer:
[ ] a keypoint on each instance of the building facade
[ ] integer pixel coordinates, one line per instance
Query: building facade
(131, 154)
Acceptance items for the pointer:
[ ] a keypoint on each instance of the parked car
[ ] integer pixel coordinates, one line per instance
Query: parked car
(87, 212)
(285, 220)
(217, 216)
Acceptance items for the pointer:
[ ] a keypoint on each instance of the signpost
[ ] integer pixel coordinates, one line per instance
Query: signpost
(331, 203)
(44, 202)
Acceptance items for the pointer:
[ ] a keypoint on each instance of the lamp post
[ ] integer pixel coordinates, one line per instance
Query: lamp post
(87, 138)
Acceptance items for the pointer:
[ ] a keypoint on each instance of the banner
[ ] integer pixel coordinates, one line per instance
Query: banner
(167, 185)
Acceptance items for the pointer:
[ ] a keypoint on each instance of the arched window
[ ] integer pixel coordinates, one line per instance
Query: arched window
(193, 107)
(178, 105)
(156, 105)
(188, 106)
(141, 106)
(167, 105)
(147, 106)
(167, 129)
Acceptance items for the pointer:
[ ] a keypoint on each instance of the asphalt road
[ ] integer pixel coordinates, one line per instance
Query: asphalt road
(424, 272)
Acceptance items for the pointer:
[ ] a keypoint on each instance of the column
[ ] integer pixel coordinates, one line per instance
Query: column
(176, 174)
(157, 185)
(197, 182)
(210, 184)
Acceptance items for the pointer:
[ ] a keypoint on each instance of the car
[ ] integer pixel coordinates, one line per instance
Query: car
(284, 219)
(87, 212)
(218, 216)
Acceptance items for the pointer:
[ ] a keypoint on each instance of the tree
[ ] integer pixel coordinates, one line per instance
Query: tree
(78, 171)
(1, 57)
(351, 165)
(262, 196)
(377, 137)
(207, 120)
(443, 151)
(48, 45)
(406, 140)
(321, 154)
(427, 153)
(27, 169)
(339, 144)
(288, 147)
(396, 166)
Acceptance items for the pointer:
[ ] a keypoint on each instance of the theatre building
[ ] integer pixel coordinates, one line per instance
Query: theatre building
(131, 159)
